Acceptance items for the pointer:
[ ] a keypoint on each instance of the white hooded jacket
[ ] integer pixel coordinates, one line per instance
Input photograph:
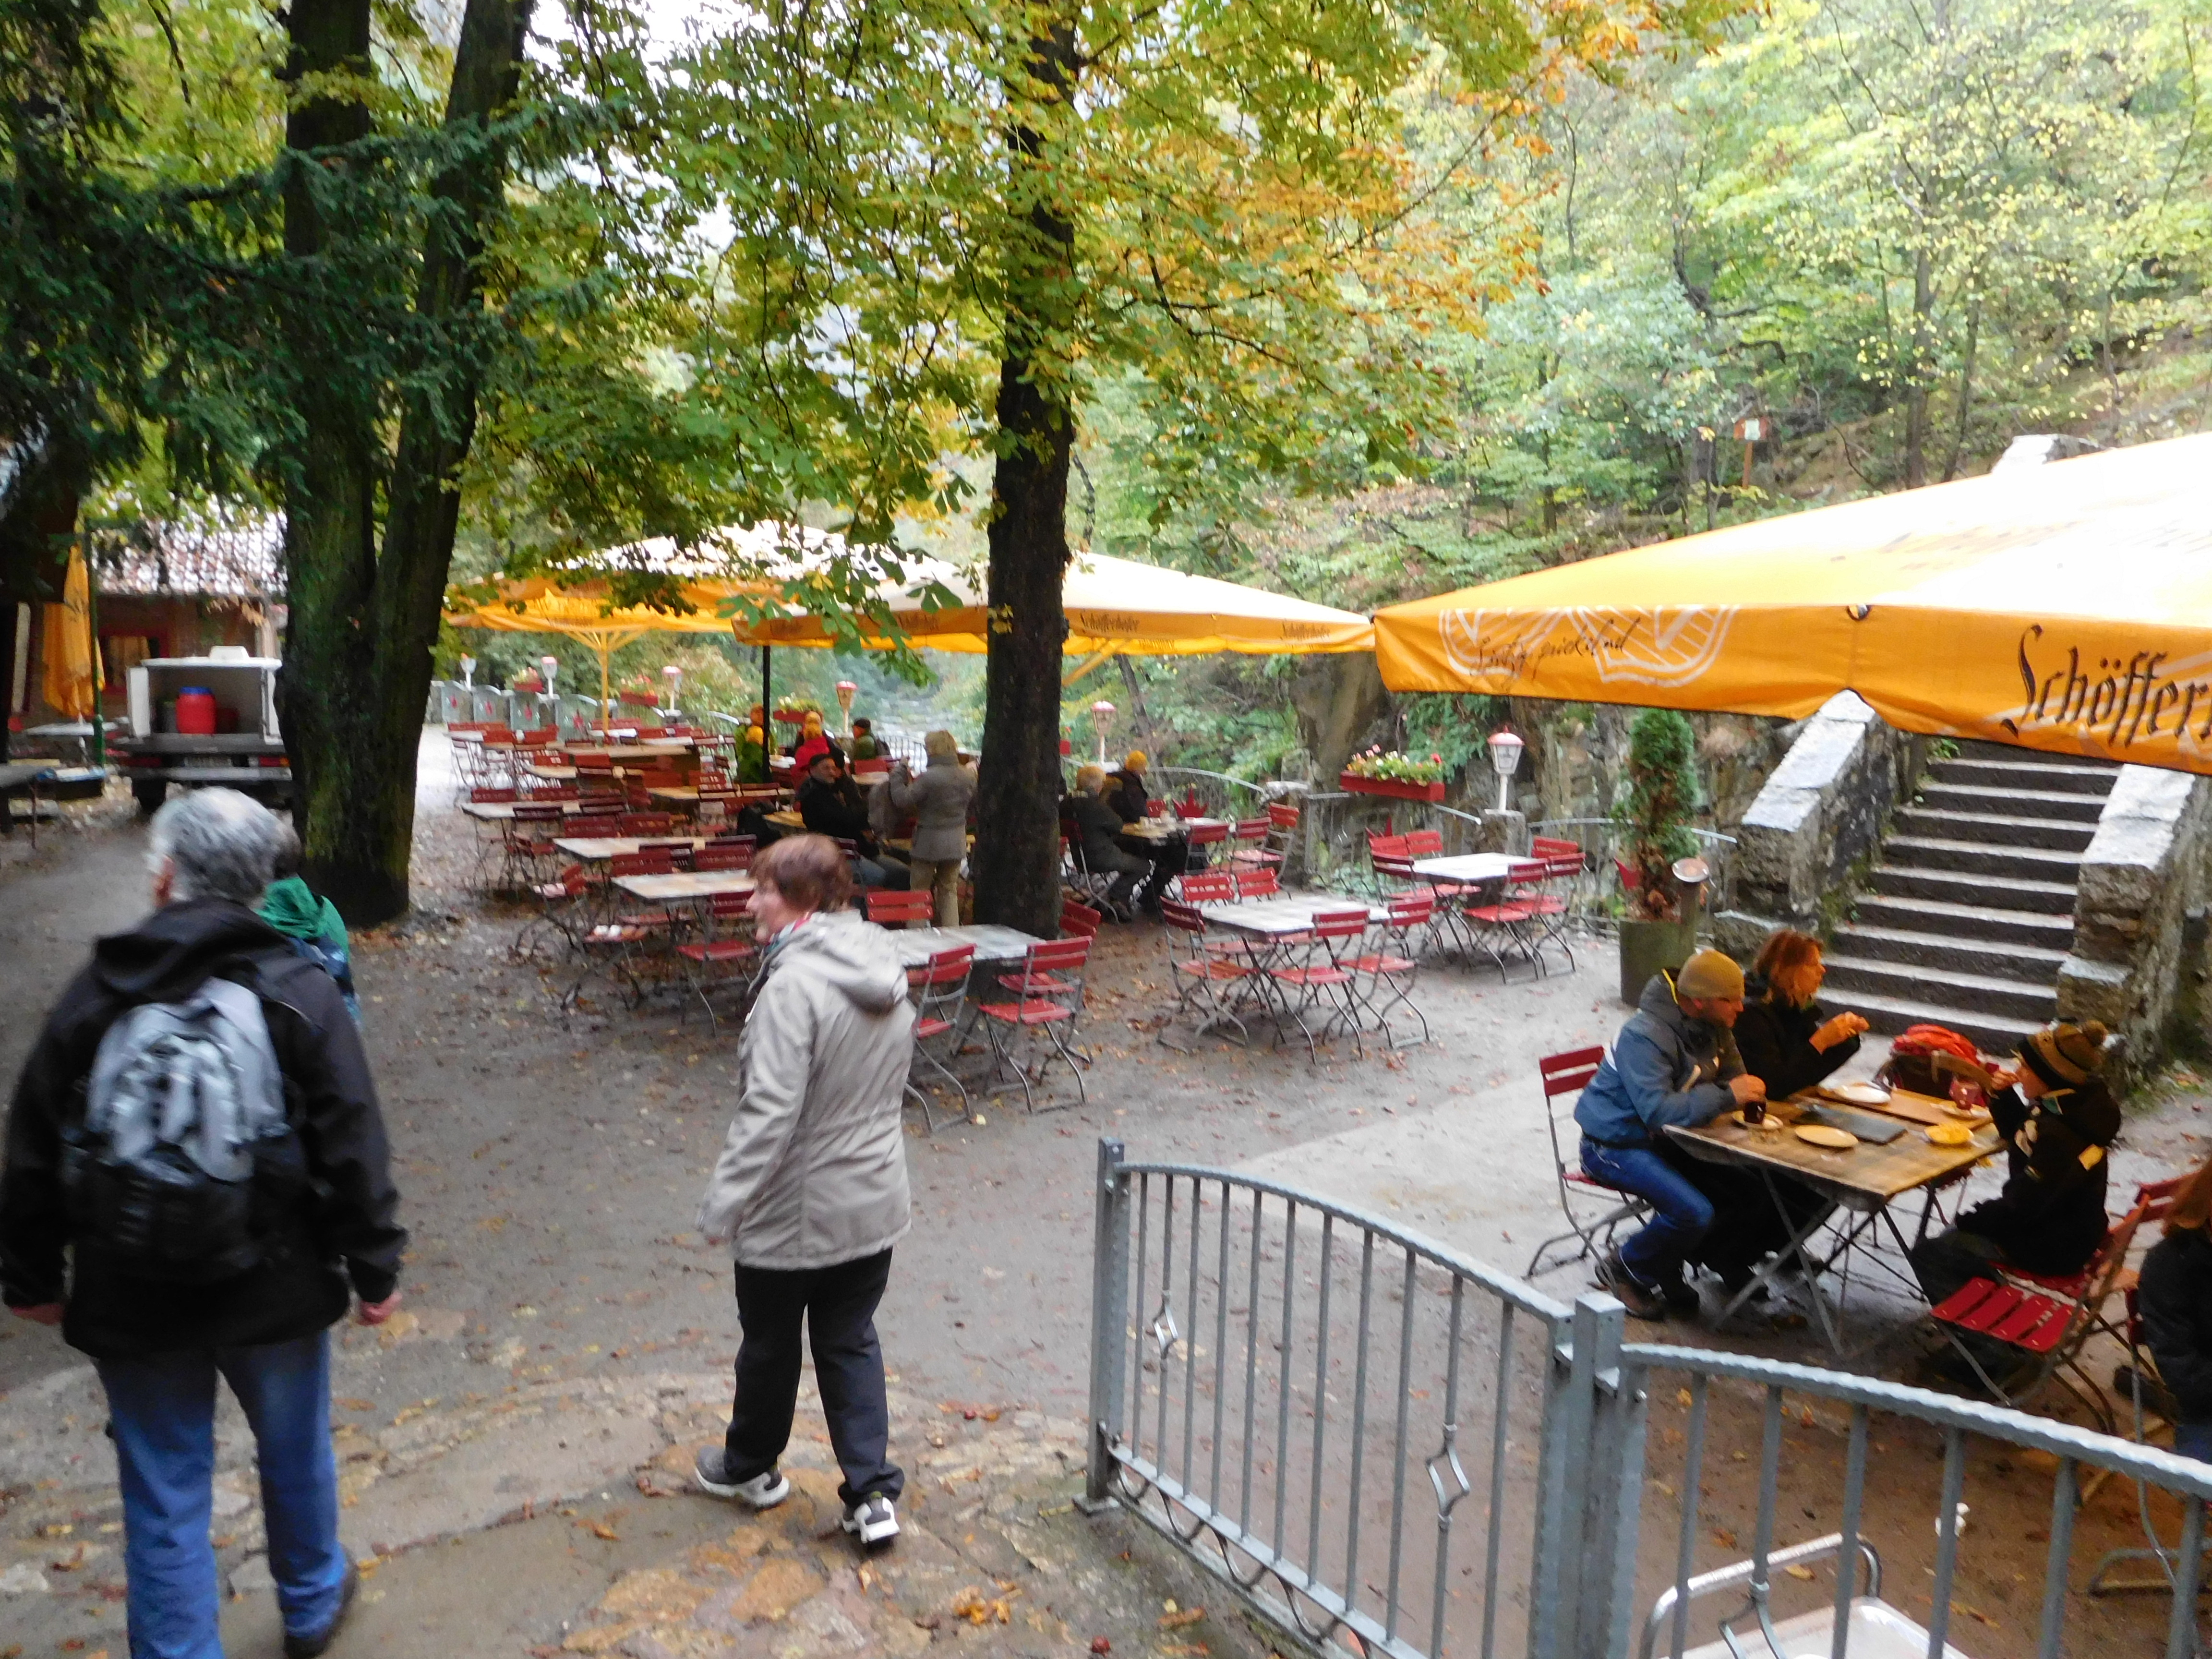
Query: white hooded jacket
(813, 1172)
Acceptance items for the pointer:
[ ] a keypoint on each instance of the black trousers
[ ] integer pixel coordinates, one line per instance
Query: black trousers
(839, 1307)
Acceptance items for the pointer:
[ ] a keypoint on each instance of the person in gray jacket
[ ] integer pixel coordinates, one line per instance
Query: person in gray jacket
(811, 1186)
(939, 800)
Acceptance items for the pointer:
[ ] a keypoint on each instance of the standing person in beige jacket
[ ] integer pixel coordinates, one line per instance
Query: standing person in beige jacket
(811, 1186)
(939, 800)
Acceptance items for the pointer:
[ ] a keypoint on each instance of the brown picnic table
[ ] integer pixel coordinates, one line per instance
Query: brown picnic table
(1867, 1179)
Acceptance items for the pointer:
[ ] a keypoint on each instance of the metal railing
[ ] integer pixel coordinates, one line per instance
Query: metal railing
(1221, 795)
(1334, 828)
(1594, 897)
(1304, 1398)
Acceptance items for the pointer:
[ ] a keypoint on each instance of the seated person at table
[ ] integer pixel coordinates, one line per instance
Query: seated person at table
(1097, 826)
(1785, 1036)
(813, 741)
(1674, 1062)
(829, 803)
(2174, 1299)
(1124, 787)
(864, 746)
(2060, 1120)
(752, 749)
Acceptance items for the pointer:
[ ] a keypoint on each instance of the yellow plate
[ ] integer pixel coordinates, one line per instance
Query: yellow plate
(1948, 1134)
(1820, 1134)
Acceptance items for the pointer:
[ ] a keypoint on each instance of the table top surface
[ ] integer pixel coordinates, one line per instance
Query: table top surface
(1861, 1176)
(645, 749)
(916, 945)
(1286, 912)
(501, 811)
(552, 770)
(1469, 867)
(597, 849)
(687, 884)
(789, 820)
(1167, 828)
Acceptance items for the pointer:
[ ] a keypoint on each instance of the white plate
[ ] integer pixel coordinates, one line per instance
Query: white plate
(1857, 1094)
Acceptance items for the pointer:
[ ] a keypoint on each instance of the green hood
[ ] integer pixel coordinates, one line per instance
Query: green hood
(291, 908)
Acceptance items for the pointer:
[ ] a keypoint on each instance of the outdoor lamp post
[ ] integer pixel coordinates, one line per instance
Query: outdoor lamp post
(674, 675)
(1505, 747)
(468, 673)
(845, 691)
(1101, 722)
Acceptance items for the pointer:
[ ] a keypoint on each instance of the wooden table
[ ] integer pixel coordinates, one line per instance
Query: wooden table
(1866, 1179)
(1469, 867)
(502, 812)
(1160, 831)
(787, 819)
(694, 884)
(667, 748)
(598, 849)
(993, 943)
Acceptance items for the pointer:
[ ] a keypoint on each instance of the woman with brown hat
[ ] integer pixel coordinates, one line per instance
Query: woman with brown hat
(2059, 1120)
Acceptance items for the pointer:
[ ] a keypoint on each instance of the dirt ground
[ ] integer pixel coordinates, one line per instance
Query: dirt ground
(565, 1325)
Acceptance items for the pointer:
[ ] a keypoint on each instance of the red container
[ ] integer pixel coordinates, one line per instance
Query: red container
(196, 712)
(1353, 784)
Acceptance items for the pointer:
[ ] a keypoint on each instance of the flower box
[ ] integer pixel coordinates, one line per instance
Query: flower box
(1352, 783)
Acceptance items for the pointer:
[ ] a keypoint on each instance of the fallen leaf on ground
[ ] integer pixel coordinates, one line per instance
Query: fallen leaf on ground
(1796, 1571)
(358, 1404)
(69, 1562)
(600, 1529)
(1178, 1621)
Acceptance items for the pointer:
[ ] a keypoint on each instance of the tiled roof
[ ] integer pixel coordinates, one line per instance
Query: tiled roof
(235, 559)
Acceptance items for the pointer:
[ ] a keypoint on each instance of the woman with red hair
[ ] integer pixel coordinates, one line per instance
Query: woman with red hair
(1784, 1035)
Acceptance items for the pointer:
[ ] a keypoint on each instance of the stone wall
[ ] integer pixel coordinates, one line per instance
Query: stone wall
(2139, 960)
(1816, 823)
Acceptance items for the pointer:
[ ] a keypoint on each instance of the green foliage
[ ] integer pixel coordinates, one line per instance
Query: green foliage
(1661, 797)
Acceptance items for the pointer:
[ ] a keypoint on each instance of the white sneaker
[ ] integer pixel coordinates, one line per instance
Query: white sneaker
(872, 1521)
(762, 1491)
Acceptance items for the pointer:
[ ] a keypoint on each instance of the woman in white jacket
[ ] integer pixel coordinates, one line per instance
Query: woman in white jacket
(811, 1186)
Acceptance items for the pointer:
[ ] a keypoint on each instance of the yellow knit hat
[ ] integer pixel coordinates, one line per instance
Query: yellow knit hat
(1709, 974)
(1134, 761)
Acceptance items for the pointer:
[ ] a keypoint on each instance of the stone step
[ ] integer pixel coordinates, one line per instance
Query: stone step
(1980, 859)
(1997, 830)
(2045, 804)
(1996, 1034)
(1928, 916)
(1980, 993)
(2050, 898)
(2070, 777)
(2031, 964)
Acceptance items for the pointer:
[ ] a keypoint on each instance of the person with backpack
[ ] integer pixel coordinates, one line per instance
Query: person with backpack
(196, 1186)
(312, 923)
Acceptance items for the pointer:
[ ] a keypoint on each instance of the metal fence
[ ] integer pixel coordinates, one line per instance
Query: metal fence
(1388, 1448)
(1594, 897)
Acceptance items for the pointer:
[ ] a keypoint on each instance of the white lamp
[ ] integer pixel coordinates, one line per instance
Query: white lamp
(469, 673)
(1102, 721)
(846, 692)
(674, 675)
(546, 666)
(1505, 747)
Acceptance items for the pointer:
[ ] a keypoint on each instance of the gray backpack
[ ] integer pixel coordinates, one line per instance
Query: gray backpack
(184, 1106)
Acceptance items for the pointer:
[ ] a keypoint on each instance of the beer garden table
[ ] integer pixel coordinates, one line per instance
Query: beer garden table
(1867, 1180)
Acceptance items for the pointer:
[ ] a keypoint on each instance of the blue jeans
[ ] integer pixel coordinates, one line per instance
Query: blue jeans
(163, 1415)
(2193, 1440)
(1681, 1215)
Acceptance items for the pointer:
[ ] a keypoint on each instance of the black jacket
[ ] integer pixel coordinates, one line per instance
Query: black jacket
(1776, 1042)
(2174, 1299)
(1127, 796)
(1096, 823)
(2049, 1218)
(835, 809)
(343, 1229)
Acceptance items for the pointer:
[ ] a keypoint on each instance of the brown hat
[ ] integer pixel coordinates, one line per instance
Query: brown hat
(1709, 974)
(2063, 1055)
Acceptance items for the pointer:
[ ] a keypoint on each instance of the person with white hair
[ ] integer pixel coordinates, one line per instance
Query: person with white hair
(197, 1186)
(1097, 825)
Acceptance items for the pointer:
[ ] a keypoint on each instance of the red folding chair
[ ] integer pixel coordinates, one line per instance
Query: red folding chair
(1046, 1006)
(562, 904)
(938, 988)
(1396, 969)
(1201, 977)
(527, 842)
(723, 951)
(647, 825)
(1257, 884)
(889, 908)
(1248, 843)
(1203, 835)
(1079, 919)
(723, 855)
(1565, 1077)
(1323, 979)
(1206, 887)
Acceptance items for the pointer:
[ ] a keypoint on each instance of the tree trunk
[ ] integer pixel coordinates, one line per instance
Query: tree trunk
(1017, 857)
(357, 654)
(1965, 395)
(1338, 698)
(1915, 392)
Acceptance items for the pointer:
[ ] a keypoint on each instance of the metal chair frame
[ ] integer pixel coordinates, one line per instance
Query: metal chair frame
(1565, 1074)
(1047, 997)
(938, 987)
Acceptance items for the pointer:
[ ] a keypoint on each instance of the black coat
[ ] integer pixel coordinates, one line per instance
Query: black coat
(2174, 1299)
(1776, 1042)
(2049, 1218)
(343, 1229)
(1127, 796)
(835, 809)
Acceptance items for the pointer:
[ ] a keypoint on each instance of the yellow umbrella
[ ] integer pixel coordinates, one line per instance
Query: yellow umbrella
(2065, 607)
(583, 611)
(1115, 607)
(72, 674)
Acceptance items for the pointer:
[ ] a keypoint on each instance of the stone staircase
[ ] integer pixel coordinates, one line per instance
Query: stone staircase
(1970, 910)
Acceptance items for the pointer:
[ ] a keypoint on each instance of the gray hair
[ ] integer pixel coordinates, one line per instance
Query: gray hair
(221, 844)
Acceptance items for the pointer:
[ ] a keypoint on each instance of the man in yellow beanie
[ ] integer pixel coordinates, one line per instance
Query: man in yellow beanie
(2060, 1120)
(1674, 1062)
(1127, 795)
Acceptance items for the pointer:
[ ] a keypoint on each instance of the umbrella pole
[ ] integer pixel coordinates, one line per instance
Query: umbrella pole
(606, 716)
(768, 704)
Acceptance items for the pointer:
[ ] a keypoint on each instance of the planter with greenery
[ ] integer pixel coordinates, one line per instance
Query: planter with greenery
(1404, 776)
(1654, 817)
